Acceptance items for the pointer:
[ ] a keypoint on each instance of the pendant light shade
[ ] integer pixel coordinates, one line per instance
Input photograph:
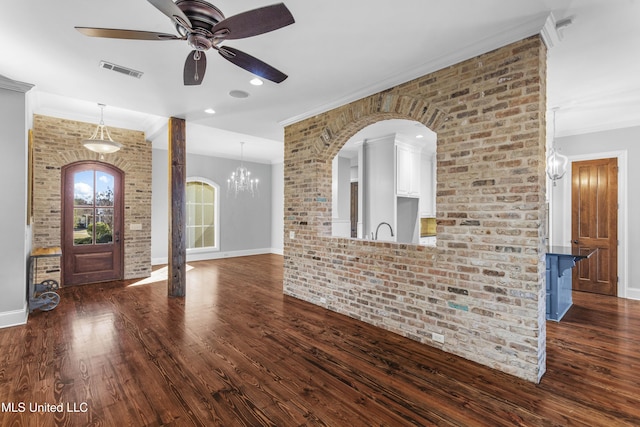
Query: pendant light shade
(556, 165)
(100, 141)
(556, 162)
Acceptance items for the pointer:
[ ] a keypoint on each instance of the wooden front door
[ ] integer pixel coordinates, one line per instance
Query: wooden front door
(92, 218)
(595, 225)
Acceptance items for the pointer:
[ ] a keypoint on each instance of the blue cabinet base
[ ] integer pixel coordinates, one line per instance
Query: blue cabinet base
(560, 261)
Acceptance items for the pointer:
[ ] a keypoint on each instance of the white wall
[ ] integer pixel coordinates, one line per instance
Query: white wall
(625, 144)
(245, 221)
(13, 227)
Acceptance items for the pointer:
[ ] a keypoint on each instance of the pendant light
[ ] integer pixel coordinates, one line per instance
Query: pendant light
(100, 141)
(556, 162)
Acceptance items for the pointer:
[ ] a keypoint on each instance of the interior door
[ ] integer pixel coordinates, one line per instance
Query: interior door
(92, 215)
(595, 225)
(353, 209)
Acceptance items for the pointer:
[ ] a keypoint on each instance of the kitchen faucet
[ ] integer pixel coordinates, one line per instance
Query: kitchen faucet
(378, 227)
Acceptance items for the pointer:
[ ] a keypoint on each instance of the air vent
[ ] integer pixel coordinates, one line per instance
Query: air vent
(120, 69)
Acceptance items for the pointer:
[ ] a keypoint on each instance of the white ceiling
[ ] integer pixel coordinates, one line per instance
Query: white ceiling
(336, 52)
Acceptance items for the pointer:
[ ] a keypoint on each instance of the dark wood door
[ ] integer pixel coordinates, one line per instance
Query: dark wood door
(92, 216)
(354, 209)
(595, 225)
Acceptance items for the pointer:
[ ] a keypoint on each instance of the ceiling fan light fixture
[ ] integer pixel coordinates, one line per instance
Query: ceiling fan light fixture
(256, 82)
(100, 141)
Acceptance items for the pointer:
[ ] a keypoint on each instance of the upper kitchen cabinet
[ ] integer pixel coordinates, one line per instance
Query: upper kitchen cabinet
(407, 169)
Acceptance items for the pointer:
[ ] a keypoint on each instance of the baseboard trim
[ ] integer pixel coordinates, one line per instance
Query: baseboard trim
(633, 294)
(204, 256)
(14, 317)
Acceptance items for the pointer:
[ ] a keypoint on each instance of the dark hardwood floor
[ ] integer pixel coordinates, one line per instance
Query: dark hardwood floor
(236, 352)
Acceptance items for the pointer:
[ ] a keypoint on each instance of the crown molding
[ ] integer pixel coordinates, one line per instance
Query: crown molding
(549, 32)
(14, 85)
(509, 35)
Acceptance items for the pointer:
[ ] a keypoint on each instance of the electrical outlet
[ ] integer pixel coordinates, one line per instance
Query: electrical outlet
(292, 234)
(437, 337)
(323, 300)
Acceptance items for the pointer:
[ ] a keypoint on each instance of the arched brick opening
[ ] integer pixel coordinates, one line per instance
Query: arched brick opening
(482, 287)
(358, 116)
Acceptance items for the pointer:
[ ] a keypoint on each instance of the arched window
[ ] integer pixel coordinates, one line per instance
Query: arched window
(202, 214)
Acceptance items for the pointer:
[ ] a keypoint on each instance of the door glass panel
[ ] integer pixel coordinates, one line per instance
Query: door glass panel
(82, 226)
(83, 188)
(104, 189)
(104, 225)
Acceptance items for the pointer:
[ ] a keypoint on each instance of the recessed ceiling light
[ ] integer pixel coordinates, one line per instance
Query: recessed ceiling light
(256, 82)
(239, 94)
(419, 136)
(210, 111)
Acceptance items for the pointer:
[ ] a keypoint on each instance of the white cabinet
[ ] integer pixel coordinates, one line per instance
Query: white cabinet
(407, 170)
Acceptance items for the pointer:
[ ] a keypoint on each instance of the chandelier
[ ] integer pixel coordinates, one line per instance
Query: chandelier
(556, 162)
(240, 180)
(101, 141)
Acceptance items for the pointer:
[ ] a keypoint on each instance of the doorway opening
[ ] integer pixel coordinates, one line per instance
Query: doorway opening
(92, 219)
(561, 221)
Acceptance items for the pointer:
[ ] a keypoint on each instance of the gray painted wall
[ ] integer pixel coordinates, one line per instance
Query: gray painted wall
(277, 208)
(619, 140)
(245, 221)
(13, 227)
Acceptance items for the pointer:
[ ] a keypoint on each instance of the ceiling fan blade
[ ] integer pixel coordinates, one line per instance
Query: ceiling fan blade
(254, 22)
(194, 68)
(169, 8)
(113, 33)
(251, 64)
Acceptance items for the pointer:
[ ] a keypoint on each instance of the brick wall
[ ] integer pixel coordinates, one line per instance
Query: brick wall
(482, 286)
(56, 143)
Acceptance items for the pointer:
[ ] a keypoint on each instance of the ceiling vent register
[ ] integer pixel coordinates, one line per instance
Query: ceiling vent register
(120, 69)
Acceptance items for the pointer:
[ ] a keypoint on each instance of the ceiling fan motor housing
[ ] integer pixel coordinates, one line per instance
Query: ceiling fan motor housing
(203, 17)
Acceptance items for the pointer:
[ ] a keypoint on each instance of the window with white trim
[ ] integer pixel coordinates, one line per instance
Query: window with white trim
(202, 214)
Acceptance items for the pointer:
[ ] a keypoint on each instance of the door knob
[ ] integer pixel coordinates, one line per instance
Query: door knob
(575, 242)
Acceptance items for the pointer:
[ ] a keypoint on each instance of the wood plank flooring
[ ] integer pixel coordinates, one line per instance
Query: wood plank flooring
(236, 352)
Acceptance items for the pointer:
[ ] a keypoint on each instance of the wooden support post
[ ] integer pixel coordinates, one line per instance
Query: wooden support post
(177, 277)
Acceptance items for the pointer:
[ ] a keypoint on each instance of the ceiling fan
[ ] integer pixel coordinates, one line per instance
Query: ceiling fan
(204, 27)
